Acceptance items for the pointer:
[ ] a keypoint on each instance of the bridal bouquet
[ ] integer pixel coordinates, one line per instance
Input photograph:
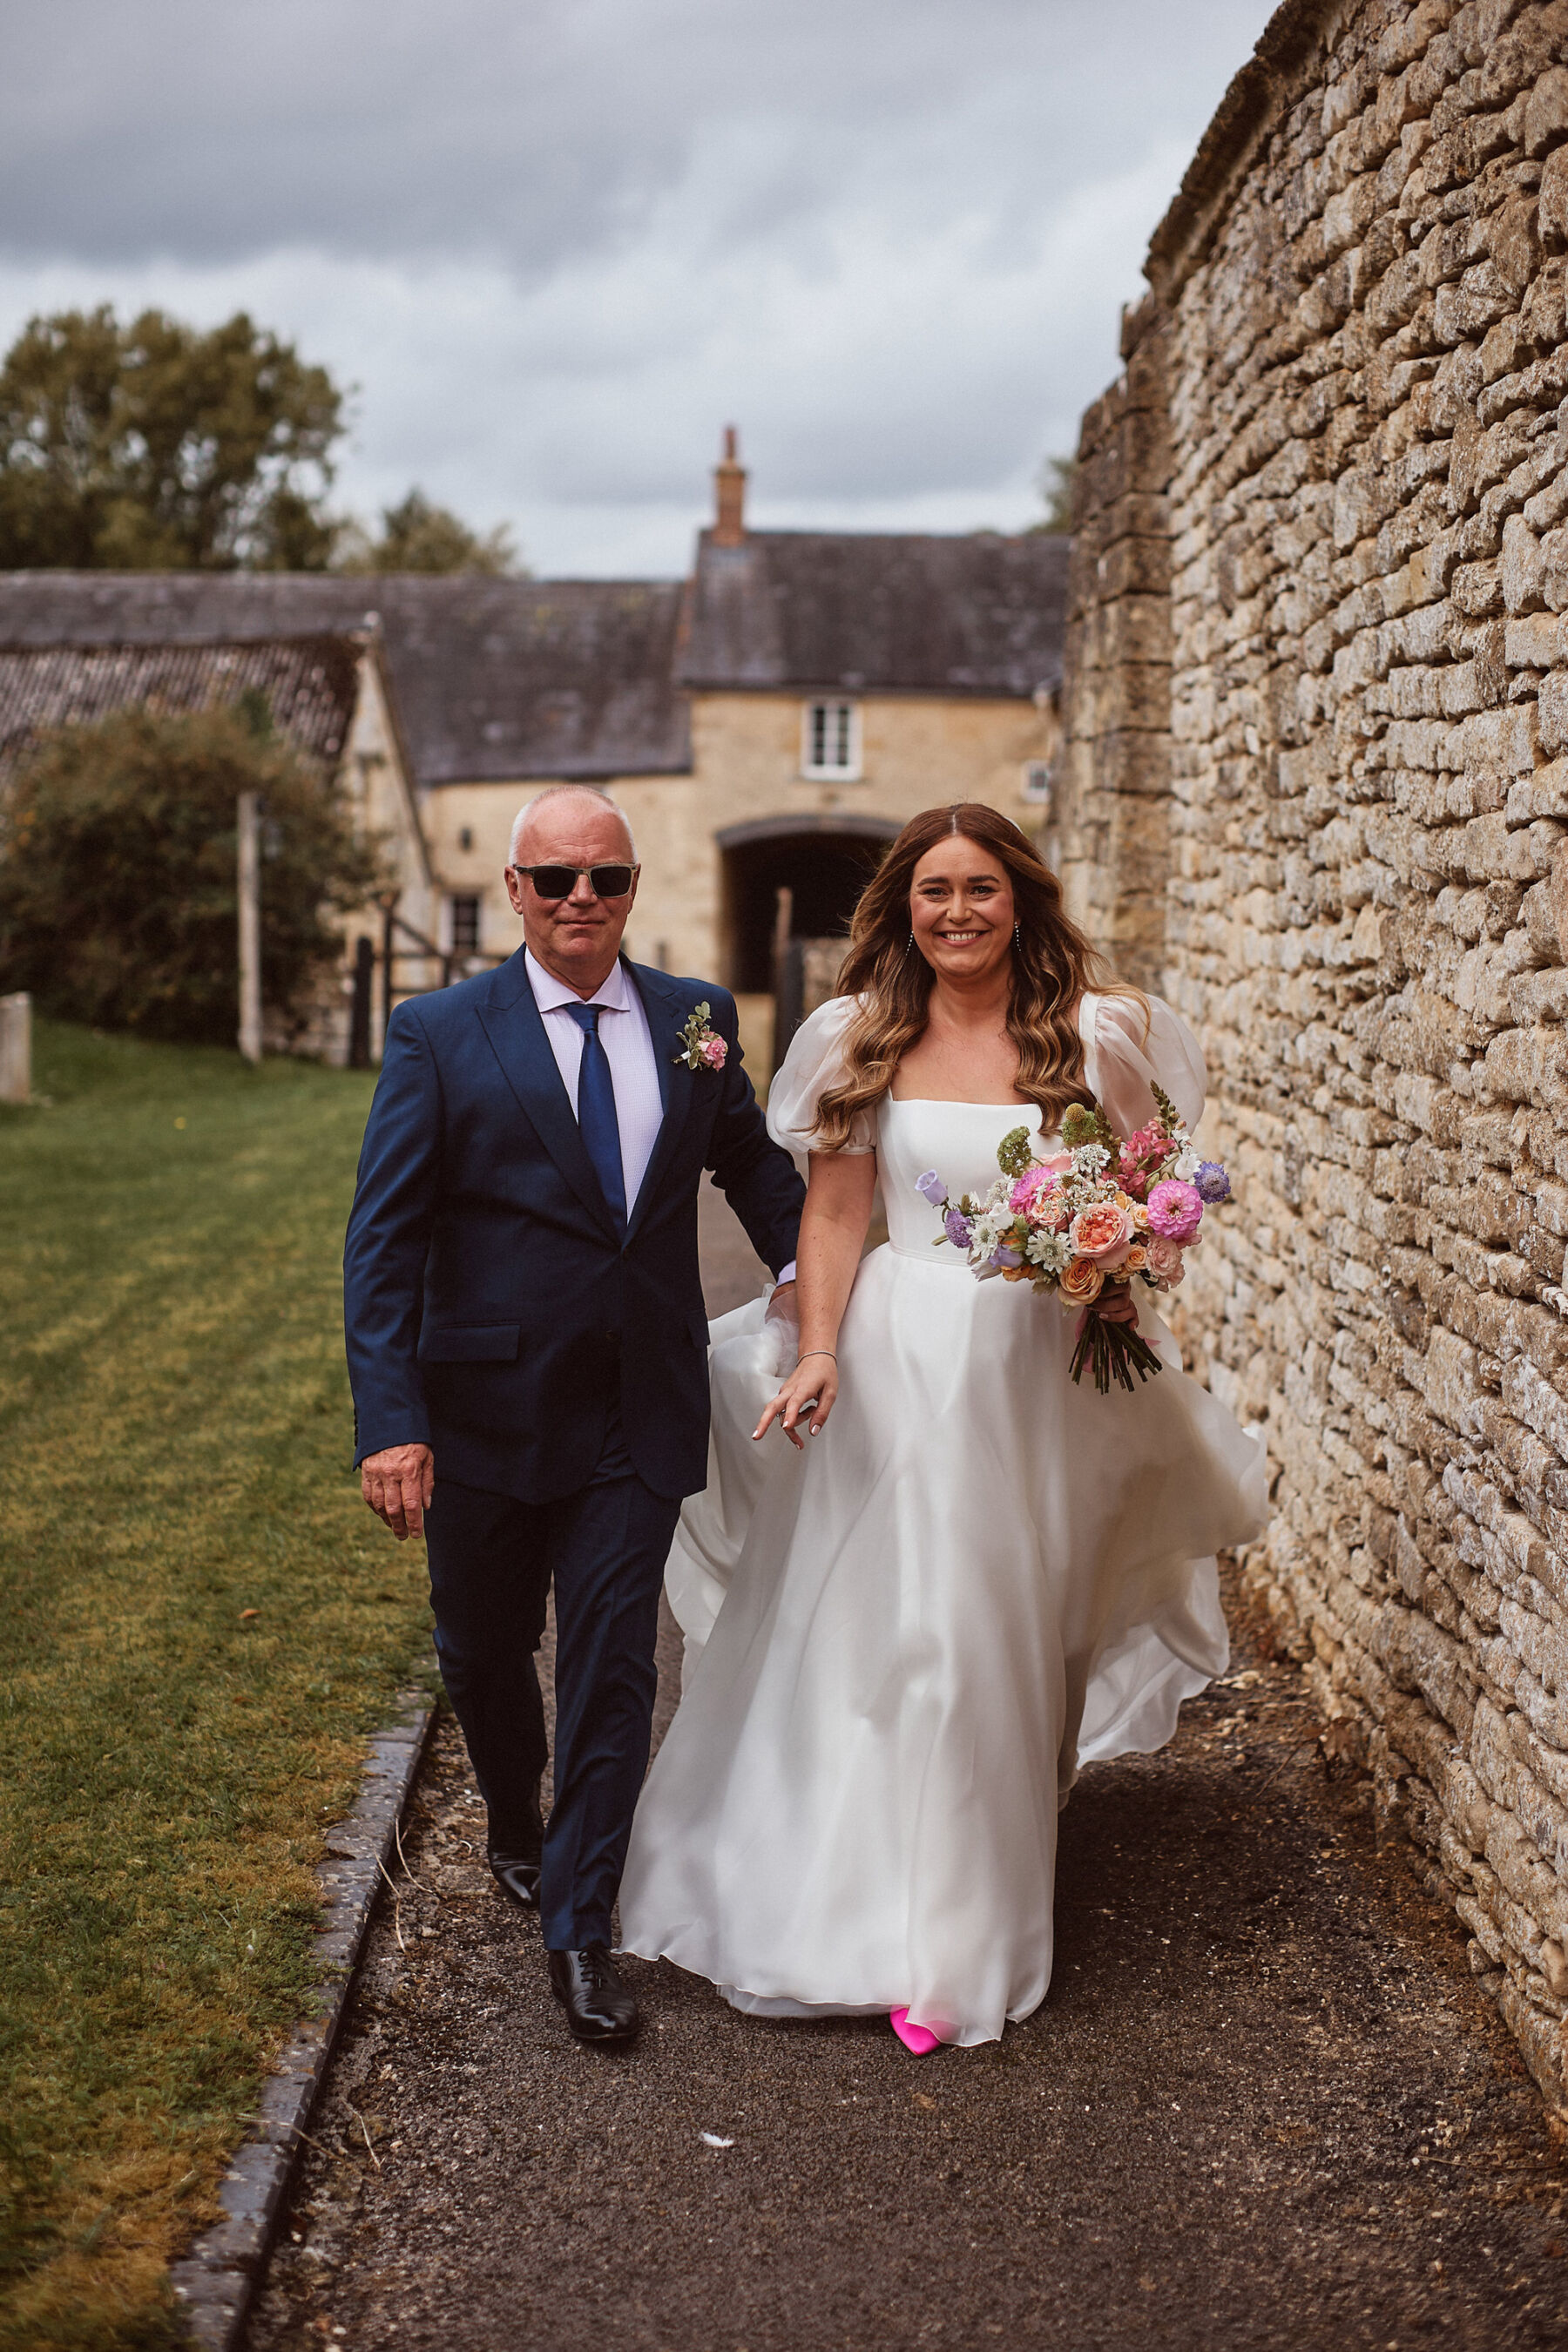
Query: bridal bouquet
(1084, 1220)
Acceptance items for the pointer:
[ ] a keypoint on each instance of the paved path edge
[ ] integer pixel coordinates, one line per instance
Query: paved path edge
(217, 2282)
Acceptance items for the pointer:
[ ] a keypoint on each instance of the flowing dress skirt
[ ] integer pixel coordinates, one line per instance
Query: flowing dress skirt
(902, 1643)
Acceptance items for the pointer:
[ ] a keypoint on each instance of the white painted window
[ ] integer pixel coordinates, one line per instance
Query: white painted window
(830, 740)
(465, 923)
(1037, 782)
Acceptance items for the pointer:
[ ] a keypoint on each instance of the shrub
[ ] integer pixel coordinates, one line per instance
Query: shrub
(117, 887)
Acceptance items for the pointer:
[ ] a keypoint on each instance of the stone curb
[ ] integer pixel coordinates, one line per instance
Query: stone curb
(217, 2281)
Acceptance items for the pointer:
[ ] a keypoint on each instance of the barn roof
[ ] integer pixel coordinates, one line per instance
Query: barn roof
(492, 678)
(978, 615)
(309, 682)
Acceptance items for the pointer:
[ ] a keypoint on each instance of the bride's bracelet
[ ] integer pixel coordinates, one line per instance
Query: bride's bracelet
(816, 1351)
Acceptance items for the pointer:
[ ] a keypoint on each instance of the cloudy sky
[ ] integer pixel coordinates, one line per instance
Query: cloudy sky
(555, 245)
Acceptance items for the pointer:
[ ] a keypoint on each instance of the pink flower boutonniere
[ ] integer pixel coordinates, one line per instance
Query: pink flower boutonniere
(701, 1047)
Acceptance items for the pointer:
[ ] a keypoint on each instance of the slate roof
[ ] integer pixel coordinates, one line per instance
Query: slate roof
(497, 680)
(978, 615)
(310, 683)
(492, 678)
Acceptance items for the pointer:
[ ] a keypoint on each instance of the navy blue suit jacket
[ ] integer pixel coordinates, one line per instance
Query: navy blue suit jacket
(492, 1311)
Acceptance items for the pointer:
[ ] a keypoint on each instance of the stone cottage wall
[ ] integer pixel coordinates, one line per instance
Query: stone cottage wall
(1316, 789)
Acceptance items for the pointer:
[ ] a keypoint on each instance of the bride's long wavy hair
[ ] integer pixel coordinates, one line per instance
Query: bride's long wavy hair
(1053, 964)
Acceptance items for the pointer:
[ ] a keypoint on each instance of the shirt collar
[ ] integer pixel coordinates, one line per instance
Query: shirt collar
(550, 994)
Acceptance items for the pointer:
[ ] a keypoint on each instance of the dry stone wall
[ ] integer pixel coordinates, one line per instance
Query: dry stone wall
(1316, 789)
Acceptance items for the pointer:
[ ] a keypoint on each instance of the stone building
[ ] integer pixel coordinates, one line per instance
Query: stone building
(774, 719)
(1315, 790)
(767, 724)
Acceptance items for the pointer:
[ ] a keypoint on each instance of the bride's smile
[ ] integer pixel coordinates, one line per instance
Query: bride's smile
(961, 912)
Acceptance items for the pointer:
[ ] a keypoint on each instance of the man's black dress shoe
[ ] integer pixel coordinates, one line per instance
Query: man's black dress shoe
(517, 1874)
(515, 1858)
(598, 2006)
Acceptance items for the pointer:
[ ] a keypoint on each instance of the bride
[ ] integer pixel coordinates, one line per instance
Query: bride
(907, 1628)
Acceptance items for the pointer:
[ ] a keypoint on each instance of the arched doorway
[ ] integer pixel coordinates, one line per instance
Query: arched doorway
(823, 862)
(789, 888)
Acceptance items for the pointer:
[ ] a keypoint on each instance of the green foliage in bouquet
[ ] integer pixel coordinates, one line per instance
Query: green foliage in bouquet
(1170, 1117)
(1083, 1123)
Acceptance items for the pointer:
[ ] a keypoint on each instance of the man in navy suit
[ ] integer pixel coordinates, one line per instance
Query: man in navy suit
(527, 1343)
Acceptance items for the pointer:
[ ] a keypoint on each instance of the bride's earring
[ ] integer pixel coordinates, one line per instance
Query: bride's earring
(1017, 938)
(911, 940)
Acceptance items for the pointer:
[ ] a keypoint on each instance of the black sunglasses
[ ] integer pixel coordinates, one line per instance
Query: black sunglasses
(560, 881)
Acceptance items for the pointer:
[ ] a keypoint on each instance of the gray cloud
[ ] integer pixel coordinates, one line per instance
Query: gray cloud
(556, 244)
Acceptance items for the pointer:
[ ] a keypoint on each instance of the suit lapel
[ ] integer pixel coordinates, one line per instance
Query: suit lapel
(512, 1021)
(666, 1009)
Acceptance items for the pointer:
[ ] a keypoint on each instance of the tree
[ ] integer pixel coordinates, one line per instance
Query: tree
(118, 901)
(1055, 483)
(419, 536)
(155, 446)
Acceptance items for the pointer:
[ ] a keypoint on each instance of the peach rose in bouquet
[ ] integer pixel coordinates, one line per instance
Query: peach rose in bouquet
(1081, 1281)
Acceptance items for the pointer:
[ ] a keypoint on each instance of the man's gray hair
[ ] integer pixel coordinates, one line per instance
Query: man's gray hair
(560, 792)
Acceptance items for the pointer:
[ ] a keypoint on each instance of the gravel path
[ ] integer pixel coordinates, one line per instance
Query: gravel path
(1264, 2104)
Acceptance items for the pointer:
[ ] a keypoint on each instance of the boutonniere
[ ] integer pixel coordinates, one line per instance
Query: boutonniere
(701, 1047)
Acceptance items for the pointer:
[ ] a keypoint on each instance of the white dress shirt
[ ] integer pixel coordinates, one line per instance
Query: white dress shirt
(629, 1049)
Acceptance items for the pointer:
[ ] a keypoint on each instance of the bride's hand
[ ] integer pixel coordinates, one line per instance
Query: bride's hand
(813, 1382)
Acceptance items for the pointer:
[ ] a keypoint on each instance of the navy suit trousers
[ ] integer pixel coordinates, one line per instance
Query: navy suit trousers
(492, 1562)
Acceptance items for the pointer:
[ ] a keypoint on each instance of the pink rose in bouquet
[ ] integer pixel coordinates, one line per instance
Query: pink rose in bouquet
(714, 1052)
(1175, 1210)
(1102, 1232)
(1166, 1263)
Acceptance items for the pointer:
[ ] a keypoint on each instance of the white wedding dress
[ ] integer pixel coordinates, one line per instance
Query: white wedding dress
(902, 1641)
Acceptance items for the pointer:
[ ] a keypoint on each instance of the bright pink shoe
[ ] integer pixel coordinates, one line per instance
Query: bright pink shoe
(916, 2038)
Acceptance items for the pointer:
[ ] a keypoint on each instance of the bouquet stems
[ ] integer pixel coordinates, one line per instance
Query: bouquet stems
(1115, 1347)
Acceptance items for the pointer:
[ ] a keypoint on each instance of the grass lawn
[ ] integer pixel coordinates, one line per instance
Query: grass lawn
(199, 1622)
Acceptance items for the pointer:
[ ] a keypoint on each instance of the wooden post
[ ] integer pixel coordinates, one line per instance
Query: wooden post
(387, 951)
(15, 1048)
(249, 828)
(359, 1021)
(786, 974)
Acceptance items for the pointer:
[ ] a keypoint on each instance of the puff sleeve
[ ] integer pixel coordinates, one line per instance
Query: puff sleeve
(1121, 1056)
(814, 1063)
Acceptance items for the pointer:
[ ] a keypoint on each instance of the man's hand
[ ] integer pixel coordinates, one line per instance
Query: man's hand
(781, 1308)
(397, 1484)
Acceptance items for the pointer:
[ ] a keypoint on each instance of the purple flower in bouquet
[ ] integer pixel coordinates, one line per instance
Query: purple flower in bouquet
(1210, 1181)
(1175, 1210)
(931, 1188)
(959, 1231)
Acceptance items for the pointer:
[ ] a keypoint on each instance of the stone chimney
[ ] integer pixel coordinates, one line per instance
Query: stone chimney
(729, 496)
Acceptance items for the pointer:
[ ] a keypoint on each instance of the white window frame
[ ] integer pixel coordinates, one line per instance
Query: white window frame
(476, 897)
(830, 723)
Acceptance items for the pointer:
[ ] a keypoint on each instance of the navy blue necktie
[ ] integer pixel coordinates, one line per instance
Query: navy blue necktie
(601, 1129)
